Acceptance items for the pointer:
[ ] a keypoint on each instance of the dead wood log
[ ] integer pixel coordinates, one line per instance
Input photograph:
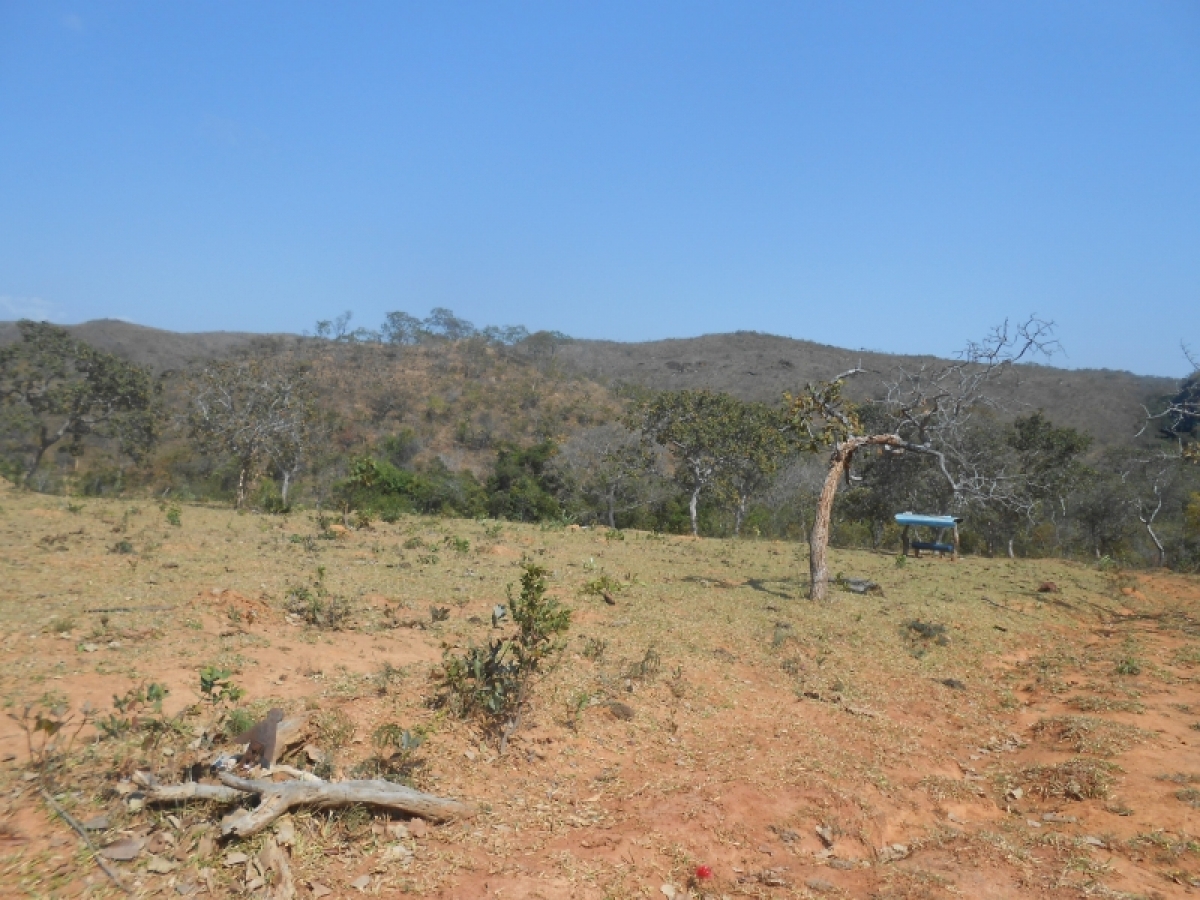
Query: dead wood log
(277, 799)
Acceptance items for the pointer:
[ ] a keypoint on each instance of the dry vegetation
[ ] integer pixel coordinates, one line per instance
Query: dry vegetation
(958, 734)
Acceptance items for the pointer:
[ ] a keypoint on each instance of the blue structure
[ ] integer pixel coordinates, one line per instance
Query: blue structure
(939, 523)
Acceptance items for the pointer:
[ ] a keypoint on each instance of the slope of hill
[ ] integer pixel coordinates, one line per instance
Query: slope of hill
(1104, 403)
(159, 350)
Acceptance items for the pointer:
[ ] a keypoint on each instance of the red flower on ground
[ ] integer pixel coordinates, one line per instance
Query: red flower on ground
(703, 873)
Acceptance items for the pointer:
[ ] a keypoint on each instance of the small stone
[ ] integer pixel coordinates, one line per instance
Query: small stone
(397, 831)
(669, 891)
(319, 890)
(1092, 841)
(843, 864)
(1033, 823)
(361, 883)
(160, 866)
(397, 852)
(168, 751)
(234, 859)
(114, 645)
(622, 711)
(820, 884)
(1016, 794)
(470, 754)
(825, 834)
(136, 803)
(123, 850)
(207, 847)
(418, 828)
(89, 648)
(255, 883)
(96, 823)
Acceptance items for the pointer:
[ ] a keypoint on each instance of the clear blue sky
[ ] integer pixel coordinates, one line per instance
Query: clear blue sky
(896, 176)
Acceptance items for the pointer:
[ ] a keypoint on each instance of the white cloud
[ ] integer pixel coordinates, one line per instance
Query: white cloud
(34, 308)
(72, 22)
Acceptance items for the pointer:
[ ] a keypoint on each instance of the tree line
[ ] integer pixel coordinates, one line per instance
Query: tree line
(813, 466)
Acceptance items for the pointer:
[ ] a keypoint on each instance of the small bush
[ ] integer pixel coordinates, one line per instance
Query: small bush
(605, 584)
(318, 609)
(216, 685)
(174, 515)
(492, 681)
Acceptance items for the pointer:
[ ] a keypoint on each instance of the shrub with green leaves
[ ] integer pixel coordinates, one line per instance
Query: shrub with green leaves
(492, 681)
(216, 685)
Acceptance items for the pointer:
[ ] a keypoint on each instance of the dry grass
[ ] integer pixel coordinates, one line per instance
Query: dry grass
(751, 707)
(1076, 779)
(1089, 734)
(1089, 703)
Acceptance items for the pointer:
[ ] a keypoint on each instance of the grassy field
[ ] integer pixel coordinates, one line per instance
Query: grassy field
(958, 733)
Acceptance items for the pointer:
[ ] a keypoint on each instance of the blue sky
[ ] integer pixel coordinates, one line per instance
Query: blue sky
(895, 176)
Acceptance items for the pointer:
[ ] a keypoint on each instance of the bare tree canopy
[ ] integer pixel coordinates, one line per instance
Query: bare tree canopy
(255, 412)
(930, 411)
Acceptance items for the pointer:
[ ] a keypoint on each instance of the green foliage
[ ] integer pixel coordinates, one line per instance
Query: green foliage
(379, 487)
(602, 585)
(524, 487)
(492, 681)
(457, 544)
(400, 740)
(239, 721)
(317, 608)
(174, 515)
(720, 443)
(216, 686)
(54, 388)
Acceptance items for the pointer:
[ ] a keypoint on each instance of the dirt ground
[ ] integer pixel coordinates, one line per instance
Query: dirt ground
(959, 733)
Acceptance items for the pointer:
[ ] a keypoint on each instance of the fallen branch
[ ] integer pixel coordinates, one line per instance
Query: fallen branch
(82, 832)
(277, 799)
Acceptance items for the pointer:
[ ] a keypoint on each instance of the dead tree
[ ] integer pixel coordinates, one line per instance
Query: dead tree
(931, 409)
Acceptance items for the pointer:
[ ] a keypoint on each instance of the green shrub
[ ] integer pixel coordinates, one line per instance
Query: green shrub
(493, 681)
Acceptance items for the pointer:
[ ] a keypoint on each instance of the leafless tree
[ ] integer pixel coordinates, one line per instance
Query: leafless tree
(612, 469)
(931, 410)
(253, 411)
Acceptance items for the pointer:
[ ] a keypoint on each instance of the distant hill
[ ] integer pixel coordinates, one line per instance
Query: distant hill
(159, 350)
(1104, 403)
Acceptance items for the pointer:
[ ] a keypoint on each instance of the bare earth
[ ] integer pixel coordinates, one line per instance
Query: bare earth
(1042, 745)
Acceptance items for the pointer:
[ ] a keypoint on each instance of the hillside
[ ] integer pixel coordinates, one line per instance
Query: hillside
(1104, 403)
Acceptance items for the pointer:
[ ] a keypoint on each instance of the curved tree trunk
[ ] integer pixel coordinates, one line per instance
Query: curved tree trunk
(818, 541)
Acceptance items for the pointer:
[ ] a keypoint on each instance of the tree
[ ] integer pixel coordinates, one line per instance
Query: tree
(401, 328)
(759, 444)
(930, 410)
(611, 469)
(64, 389)
(253, 411)
(524, 487)
(720, 444)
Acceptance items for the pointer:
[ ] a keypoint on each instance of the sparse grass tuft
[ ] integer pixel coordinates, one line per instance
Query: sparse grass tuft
(1076, 779)
(1088, 734)
(1091, 703)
